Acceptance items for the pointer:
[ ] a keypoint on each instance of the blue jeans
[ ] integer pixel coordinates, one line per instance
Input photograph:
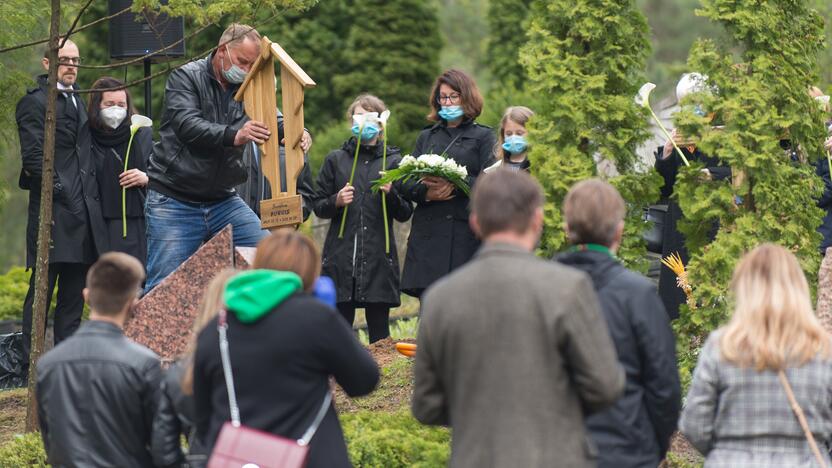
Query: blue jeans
(176, 229)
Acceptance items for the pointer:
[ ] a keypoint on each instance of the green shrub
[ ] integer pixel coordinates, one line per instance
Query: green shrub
(25, 450)
(393, 440)
(13, 287)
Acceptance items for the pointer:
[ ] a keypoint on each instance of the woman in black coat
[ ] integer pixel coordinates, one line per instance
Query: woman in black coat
(284, 345)
(109, 115)
(440, 238)
(365, 275)
(668, 163)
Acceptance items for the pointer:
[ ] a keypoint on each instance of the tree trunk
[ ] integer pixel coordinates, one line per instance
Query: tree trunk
(41, 299)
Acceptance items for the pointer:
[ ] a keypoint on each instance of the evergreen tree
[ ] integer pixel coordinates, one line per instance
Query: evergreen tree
(507, 20)
(393, 52)
(587, 58)
(758, 90)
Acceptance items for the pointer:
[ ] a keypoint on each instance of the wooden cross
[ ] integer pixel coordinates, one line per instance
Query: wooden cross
(258, 93)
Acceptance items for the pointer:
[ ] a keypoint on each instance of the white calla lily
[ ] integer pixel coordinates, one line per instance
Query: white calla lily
(138, 121)
(643, 96)
(643, 99)
(363, 119)
(383, 118)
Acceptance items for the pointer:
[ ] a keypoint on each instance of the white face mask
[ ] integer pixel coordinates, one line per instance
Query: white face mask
(113, 116)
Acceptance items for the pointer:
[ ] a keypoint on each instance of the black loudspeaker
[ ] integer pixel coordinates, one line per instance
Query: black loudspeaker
(138, 34)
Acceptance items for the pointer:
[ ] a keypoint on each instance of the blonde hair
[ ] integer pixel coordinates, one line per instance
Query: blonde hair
(208, 309)
(773, 325)
(517, 114)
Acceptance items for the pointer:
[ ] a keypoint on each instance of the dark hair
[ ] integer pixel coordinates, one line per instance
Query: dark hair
(289, 250)
(113, 282)
(459, 81)
(592, 210)
(94, 107)
(505, 200)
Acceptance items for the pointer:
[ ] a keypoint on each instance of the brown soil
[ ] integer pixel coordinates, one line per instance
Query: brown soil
(682, 451)
(394, 387)
(12, 413)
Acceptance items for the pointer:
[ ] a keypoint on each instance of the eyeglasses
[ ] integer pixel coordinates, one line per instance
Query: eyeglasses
(451, 99)
(69, 60)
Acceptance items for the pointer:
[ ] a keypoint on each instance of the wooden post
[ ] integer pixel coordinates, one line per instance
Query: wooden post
(258, 94)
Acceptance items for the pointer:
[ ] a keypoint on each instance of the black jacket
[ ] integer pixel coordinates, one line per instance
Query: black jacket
(440, 239)
(636, 431)
(360, 253)
(825, 202)
(78, 230)
(195, 160)
(256, 188)
(282, 364)
(174, 419)
(97, 393)
(673, 240)
(108, 149)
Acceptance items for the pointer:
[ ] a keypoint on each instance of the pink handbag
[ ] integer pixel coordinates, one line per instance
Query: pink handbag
(239, 446)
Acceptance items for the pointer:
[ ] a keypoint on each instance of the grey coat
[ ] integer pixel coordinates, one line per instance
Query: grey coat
(513, 354)
(738, 417)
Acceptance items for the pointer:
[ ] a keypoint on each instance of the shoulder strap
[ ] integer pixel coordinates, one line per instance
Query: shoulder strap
(222, 328)
(444, 151)
(310, 433)
(801, 418)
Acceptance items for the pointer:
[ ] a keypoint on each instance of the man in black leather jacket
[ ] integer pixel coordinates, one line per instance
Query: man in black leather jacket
(97, 391)
(199, 159)
(636, 431)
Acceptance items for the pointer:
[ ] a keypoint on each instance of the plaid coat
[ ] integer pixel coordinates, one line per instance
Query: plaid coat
(738, 417)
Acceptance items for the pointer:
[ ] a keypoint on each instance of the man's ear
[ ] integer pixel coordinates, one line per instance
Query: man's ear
(475, 225)
(619, 236)
(45, 62)
(86, 291)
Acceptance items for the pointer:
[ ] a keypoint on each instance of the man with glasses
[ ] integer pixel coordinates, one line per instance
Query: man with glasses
(78, 232)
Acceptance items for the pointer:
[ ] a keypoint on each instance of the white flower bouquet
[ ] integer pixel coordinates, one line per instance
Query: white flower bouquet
(426, 165)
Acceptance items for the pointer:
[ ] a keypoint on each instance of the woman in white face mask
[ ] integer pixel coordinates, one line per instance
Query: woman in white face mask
(109, 119)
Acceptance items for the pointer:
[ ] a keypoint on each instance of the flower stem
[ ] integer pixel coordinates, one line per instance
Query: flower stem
(384, 198)
(667, 135)
(829, 160)
(124, 189)
(352, 175)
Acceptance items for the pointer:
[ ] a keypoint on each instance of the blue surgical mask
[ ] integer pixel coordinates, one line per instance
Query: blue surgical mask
(235, 74)
(515, 144)
(698, 110)
(451, 113)
(369, 131)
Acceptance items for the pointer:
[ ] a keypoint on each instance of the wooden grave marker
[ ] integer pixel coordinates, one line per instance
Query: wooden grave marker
(258, 93)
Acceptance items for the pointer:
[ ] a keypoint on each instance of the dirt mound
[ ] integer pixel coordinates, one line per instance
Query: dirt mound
(394, 387)
(384, 351)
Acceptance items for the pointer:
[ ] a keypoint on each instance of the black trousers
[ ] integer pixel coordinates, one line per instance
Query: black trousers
(378, 315)
(70, 278)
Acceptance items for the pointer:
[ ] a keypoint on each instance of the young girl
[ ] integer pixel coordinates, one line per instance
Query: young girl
(365, 275)
(512, 148)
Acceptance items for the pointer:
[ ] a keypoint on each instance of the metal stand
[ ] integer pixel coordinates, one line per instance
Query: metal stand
(148, 98)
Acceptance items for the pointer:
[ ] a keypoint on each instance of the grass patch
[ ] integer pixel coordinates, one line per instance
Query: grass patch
(391, 395)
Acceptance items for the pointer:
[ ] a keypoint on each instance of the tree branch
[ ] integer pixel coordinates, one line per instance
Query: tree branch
(145, 56)
(74, 23)
(45, 40)
(169, 68)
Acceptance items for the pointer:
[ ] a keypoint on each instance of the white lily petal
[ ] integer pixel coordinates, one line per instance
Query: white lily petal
(643, 97)
(138, 121)
(383, 117)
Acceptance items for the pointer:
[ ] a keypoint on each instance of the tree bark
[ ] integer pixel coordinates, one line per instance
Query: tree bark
(41, 299)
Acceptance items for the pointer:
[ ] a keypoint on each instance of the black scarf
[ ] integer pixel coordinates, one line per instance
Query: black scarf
(106, 136)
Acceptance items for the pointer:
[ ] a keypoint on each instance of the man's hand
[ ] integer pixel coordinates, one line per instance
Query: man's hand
(439, 189)
(252, 131)
(345, 196)
(132, 178)
(305, 141)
